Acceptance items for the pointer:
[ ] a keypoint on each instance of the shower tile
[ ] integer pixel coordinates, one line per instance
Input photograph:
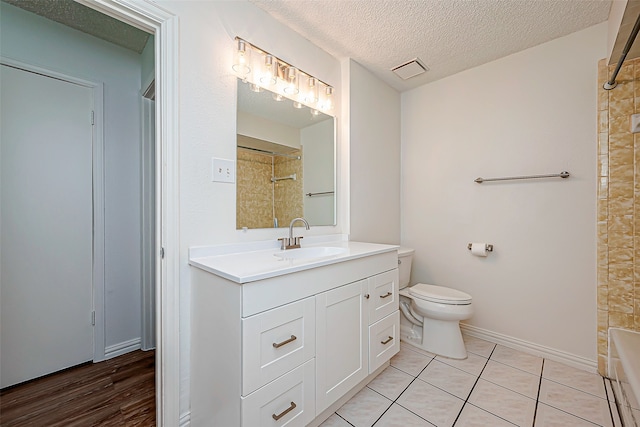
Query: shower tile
(547, 416)
(517, 359)
(410, 361)
(431, 403)
(450, 379)
(504, 403)
(575, 402)
(620, 320)
(473, 416)
(364, 408)
(478, 346)
(391, 382)
(511, 378)
(621, 107)
(473, 364)
(396, 415)
(587, 382)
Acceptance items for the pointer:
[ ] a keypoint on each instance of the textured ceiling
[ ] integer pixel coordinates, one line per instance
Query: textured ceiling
(449, 36)
(87, 20)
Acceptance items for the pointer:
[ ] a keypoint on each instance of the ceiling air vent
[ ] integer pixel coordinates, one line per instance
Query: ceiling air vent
(410, 69)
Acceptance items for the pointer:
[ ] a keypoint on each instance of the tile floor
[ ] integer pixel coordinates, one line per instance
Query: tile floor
(495, 386)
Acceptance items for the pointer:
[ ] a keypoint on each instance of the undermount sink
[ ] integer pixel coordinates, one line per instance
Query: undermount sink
(312, 252)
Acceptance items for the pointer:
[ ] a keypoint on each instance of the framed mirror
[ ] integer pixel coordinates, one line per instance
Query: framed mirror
(285, 161)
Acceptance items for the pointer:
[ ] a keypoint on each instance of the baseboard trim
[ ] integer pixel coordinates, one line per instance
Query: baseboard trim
(185, 419)
(531, 348)
(122, 348)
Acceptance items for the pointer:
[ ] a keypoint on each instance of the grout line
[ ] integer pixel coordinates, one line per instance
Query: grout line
(474, 386)
(345, 420)
(535, 411)
(405, 389)
(606, 393)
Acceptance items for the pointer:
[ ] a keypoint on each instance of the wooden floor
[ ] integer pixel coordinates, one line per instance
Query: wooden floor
(117, 392)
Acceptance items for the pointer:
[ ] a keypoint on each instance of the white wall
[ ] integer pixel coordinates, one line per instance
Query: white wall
(374, 113)
(533, 112)
(207, 127)
(38, 41)
(267, 130)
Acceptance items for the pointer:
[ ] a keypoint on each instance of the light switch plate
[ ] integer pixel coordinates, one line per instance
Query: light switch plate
(223, 170)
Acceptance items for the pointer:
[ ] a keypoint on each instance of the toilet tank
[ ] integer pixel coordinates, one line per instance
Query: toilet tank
(405, 256)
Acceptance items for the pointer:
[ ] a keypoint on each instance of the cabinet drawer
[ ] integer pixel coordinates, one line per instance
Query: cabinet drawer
(276, 341)
(383, 289)
(287, 401)
(384, 340)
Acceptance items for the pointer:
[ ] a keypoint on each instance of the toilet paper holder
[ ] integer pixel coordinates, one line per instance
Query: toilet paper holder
(489, 248)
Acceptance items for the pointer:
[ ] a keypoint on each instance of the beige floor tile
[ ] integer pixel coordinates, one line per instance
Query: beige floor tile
(450, 379)
(398, 416)
(547, 416)
(477, 346)
(410, 361)
(431, 403)
(576, 378)
(335, 421)
(473, 416)
(514, 379)
(364, 408)
(391, 382)
(504, 403)
(517, 359)
(473, 364)
(575, 402)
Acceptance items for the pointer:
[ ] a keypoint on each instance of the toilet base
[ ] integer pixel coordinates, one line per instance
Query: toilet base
(443, 337)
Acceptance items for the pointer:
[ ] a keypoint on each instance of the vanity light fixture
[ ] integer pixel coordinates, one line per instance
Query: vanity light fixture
(311, 97)
(292, 81)
(269, 70)
(261, 69)
(242, 59)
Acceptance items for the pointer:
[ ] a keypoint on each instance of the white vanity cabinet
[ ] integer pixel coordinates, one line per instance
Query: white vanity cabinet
(281, 350)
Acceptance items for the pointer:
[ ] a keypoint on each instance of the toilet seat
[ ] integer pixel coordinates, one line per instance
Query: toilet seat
(439, 294)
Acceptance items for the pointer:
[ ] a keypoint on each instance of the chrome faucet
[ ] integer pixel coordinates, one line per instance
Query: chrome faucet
(292, 242)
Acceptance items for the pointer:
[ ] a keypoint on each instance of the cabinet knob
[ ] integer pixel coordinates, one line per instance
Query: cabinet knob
(366, 296)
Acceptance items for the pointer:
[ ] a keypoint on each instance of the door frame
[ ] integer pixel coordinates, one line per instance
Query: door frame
(97, 159)
(164, 25)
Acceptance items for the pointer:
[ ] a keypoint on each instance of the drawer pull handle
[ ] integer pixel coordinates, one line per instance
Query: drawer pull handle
(280, 344)
(285, 412)
(388, 294)
(386, 341)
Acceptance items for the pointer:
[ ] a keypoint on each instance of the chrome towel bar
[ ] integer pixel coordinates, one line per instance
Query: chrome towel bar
(318, 194)
(563, 174)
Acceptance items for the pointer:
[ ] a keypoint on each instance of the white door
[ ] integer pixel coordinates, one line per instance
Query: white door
(45, 225)
(341, 342)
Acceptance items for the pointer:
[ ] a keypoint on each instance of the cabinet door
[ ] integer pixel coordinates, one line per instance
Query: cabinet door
(383, 290)
(341, 342)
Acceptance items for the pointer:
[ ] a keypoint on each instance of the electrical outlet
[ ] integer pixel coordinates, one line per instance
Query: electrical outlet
(223, 170)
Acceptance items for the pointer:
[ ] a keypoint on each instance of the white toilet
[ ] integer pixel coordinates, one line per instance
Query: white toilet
(432, 314)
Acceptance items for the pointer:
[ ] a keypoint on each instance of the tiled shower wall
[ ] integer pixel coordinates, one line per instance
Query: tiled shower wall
(618, 205)
(256, 193)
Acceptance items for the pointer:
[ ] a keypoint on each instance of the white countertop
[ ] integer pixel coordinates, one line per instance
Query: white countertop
(248, 262)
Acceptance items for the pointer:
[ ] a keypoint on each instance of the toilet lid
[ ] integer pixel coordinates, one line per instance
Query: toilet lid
(439, 294)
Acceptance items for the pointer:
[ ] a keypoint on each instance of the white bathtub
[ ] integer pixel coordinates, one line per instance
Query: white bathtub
(624, 369)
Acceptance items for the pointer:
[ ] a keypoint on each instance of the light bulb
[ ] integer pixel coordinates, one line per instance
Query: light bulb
(255, 88)
(311, 96)
(277, 96)
(292, 87)
(242, 59)
(269, 70)
(327, 101)
(297, 105)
